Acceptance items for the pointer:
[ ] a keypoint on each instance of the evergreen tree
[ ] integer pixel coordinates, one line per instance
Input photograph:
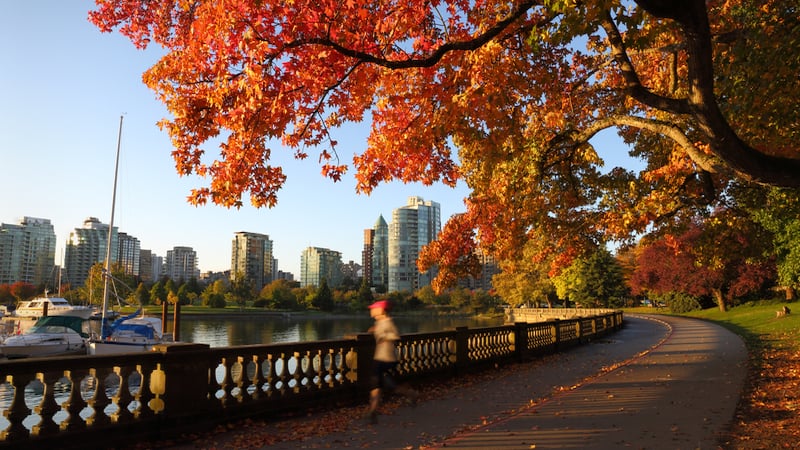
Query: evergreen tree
(324, 297)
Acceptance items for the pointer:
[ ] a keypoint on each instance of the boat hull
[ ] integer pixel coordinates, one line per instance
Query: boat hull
(54, 306)
(42, 346)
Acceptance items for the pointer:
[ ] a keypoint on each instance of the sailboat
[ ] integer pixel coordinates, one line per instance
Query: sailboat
(129, 334)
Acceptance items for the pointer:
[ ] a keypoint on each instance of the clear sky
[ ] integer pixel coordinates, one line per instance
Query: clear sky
(64, 86)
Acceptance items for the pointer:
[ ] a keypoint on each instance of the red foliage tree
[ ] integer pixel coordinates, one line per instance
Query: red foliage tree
(706, 259)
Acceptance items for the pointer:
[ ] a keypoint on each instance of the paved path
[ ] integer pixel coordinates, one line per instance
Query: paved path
(659, 383)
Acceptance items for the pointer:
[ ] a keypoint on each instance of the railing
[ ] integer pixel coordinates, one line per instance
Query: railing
(106, 400)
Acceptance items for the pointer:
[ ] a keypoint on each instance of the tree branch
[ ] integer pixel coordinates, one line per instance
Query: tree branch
(704, 161)
(633, 84)
(433, 58)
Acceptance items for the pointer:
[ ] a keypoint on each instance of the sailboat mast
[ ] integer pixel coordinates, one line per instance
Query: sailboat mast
(107, 266)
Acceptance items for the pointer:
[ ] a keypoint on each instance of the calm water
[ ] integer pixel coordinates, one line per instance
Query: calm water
(223, 332)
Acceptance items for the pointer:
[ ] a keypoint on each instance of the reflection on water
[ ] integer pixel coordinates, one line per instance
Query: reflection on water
(232, 331)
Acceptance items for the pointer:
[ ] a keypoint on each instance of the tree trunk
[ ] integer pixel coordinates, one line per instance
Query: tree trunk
(717, 295)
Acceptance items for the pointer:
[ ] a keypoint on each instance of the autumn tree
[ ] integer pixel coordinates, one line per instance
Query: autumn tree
(504, 95)
(213, 295)
(721, 257)
(279, 295)
(22, 291)
(6, 297)
(158, 293)
(526, 279)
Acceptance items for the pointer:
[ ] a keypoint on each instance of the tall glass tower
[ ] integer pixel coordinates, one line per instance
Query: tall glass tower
(27, 252)
(380, 254)
(413, 226)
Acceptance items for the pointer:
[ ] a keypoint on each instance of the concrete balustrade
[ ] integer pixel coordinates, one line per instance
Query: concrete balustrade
(102, 401)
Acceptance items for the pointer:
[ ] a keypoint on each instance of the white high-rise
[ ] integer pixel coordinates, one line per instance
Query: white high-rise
(86, 247)
(413, 226)
(27, 252)
(181, 264)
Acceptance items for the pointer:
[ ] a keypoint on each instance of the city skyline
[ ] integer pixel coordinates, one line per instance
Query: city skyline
(101, 223)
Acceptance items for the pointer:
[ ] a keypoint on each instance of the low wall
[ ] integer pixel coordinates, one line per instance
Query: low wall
(533, 315)
(102, 401)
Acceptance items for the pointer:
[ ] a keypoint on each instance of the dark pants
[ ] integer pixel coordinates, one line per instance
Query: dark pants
(383, 375)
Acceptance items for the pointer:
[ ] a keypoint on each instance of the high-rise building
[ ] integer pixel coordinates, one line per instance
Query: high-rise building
(181, 264)
(251, 257)
(86, 247)
(366, 254)
(27, 252)
(375, 255)
(413, 226)
(317, 264)
(129, 255)
(151, 266)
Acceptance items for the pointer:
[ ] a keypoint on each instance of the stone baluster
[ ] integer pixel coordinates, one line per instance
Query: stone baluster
(99, 400)
(48, 407)
(75, 403)
(18, 411)
(123, 398)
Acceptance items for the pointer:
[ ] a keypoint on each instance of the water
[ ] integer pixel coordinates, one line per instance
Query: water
(233, 331)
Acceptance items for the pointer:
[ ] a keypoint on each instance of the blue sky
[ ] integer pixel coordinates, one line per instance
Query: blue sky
(64, 86)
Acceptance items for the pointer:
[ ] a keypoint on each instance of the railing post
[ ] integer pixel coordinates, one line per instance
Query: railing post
(556, 333)
(186, 380)
(461, 337)
(521, 340)
(365, 349)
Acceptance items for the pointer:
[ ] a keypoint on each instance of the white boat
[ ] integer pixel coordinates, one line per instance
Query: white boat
(49, 336)
(130, 334)
(51, 306)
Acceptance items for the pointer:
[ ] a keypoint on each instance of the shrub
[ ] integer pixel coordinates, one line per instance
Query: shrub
(679, 302)
(216, 301)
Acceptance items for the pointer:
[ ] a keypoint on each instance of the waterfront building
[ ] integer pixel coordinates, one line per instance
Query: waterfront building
(86, 247)
(181, 264)
(281, 275)
(352, 270)
(27, 252)
(251, 257)
(128, 258)
(366, 254)
(146, 273)
(413, 226)
(317, 264)
(375, 255)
